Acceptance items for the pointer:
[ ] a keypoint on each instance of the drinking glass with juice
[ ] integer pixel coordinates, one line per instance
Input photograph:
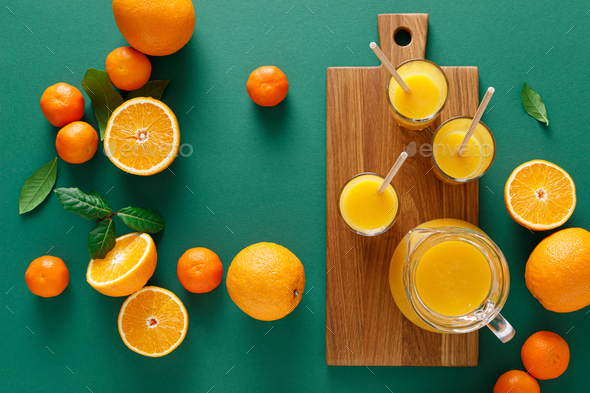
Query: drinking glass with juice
(428, 94)
(456, 168)
(448, 276)
(363, 209)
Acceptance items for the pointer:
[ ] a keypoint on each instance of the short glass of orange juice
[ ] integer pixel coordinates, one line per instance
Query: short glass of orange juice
(429, 92)
(448, 276)
(363, 209)
(453, 167)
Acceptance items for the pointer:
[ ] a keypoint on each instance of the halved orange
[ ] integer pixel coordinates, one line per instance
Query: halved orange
(153, 322)
(540, 195)
(126, 268)
(142, 136)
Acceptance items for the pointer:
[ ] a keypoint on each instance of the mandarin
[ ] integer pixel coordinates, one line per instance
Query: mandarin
(77, 142)
(199, 270)
(128, 68)
(267, 86)
(62, 104)
(47, 276)
(546, 355)
(516, 381)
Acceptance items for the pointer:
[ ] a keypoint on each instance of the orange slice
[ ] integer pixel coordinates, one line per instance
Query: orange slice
(126, 268)
(540, 195)
(153, 322)
(142, 136)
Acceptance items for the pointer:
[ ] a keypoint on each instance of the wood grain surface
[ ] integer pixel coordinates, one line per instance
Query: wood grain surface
(363, 324)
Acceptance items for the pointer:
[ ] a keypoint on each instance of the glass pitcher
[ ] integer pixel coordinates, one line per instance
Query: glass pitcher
(403, 272)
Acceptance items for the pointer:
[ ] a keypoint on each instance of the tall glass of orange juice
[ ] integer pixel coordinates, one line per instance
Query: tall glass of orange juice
(428, 95)
(453, 167)
(448, 276)
(363, 209)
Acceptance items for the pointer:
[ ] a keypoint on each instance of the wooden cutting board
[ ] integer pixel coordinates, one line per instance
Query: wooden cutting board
(363, 324)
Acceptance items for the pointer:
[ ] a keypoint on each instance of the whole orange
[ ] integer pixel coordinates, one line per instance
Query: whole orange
(62, 104)
(47, 276)
(558, 273)
(266, 281)
(267, 86)
(155, 27)
(199, 270)
(516, 381)
(128, 68)
(546, 355)
(77, 142)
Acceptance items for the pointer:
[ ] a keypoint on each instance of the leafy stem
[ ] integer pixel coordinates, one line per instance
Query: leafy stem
(103, 237)
(107, 217)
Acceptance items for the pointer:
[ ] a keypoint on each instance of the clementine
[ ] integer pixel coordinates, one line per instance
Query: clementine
(267, 86)
(47, 276)
(546, 355)
(156, 27)
(516, 381)
(128, 69)
(77, 142)
(199, 270)
(62, 104)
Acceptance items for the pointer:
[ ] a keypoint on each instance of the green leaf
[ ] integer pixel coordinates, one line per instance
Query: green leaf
(103, 202)
(152, 89)
(102, 238)
(533, 104)
(37, 187)
(141, 220)
(87, 206)
(104, 97)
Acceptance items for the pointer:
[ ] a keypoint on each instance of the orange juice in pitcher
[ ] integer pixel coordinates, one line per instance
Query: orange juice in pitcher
(448, 276)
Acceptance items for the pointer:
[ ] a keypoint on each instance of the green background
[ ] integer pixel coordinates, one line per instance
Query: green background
(261, 171)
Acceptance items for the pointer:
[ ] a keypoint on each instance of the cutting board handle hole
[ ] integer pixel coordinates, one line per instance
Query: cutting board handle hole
(402, 36)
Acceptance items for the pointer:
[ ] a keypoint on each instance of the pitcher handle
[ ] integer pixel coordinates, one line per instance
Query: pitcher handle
(501, 328)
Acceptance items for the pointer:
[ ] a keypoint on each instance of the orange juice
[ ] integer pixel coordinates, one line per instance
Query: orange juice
(427, 97)
(396, 280)
(446, 153)
(453, 278)
(448, 276)
(363, 209)
(423, 99)
(475, 160)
